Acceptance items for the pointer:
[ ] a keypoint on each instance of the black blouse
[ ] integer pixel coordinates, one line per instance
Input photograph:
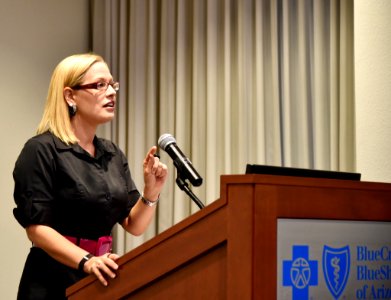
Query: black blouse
(67, 189)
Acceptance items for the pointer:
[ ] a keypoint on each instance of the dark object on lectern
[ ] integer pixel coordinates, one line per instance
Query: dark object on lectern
(287, 171)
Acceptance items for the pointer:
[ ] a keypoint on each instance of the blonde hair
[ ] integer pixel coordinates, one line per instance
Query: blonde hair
(68, 73)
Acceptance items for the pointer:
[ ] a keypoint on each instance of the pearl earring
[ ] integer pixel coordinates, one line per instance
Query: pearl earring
(72, 110)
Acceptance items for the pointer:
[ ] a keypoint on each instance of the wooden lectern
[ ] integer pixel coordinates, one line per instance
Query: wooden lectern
(228, 250)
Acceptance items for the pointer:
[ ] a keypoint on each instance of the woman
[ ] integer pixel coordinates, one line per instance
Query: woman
(71, 187)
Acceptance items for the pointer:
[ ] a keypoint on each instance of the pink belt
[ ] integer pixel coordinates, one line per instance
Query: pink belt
(97, 248)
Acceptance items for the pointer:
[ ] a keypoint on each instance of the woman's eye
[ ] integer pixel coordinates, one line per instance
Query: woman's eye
(101, 85)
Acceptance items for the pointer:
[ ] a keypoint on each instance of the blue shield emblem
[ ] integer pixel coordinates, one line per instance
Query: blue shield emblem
(336, 268)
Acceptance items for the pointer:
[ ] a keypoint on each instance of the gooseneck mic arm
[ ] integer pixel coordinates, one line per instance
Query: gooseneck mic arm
(185, 169)
(185, 187)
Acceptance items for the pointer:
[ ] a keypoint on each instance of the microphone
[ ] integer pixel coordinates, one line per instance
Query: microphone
(184, 166)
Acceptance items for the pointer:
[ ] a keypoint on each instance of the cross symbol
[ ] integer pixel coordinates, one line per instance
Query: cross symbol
(300, 272)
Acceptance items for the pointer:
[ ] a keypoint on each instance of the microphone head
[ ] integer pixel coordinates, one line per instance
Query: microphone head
(165, 140)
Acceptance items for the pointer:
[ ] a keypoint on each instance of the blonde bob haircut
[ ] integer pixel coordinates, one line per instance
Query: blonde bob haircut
(68, 73)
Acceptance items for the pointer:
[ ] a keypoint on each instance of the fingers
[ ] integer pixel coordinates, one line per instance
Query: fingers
(152, 164)
(112, 256)
(155, 174)
(102, 266)
(159, 169)
(150, 155)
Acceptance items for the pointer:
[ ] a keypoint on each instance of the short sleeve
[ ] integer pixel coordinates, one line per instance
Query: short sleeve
(33, 192)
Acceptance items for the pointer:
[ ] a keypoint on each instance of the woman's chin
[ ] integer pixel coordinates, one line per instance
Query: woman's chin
(106, 118)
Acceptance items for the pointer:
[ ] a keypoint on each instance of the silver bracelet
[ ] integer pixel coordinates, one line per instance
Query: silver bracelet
(149, 202)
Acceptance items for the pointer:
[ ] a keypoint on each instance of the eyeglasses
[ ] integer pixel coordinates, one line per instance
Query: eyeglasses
(101, 86)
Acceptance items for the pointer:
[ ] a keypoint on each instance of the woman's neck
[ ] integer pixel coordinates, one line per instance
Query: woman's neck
(88, 145)
(85, 135)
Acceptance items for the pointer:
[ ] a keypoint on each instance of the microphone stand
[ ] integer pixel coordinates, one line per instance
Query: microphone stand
(185, 187)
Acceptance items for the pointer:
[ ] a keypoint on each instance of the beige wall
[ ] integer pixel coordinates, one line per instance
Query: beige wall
(34, 36)
(373, 88)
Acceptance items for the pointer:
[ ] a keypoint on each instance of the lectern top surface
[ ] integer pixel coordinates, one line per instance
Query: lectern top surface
(300, 172)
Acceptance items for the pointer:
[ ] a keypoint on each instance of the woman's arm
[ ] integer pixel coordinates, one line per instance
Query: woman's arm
(67, 253)
(155, 175)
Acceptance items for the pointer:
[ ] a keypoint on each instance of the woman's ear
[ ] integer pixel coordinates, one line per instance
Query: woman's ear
(68, 96)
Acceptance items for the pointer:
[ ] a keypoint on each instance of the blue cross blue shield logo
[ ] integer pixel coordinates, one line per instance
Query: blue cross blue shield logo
(336, 267)
(300, 272)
